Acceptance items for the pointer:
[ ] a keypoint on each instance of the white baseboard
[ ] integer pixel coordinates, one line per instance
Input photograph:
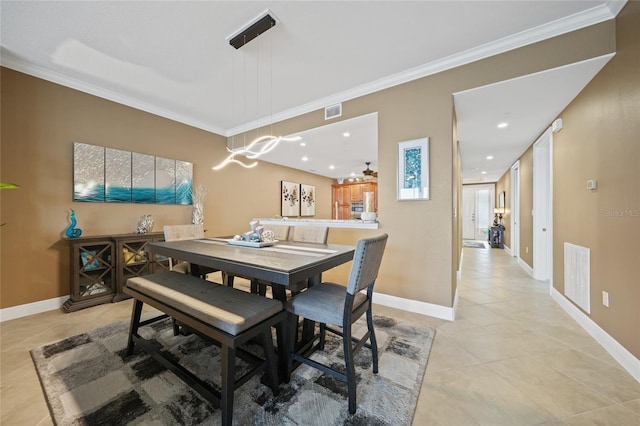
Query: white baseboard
(507, 250)
(626, 359)
(27, 309)
(423, 308)
(528, 269)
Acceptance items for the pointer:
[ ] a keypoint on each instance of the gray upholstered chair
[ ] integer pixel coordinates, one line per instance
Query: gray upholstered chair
(185, 232)
(310, 234)
(301, 234)
(334, 305)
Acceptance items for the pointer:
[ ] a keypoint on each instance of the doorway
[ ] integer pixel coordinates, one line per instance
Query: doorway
(477, 210)
(515, 210)
(542, 208)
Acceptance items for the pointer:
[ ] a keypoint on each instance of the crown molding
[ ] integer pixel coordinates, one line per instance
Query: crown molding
(551, 29)
(9, 60)
(555, 28)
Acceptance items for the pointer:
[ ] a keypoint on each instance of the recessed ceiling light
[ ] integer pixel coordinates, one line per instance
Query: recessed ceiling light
(502, 125)
(489, 157)
(303, 144)
(483, 172)
(346, 134)
(353, 174)
(331, 167)
(305, 158)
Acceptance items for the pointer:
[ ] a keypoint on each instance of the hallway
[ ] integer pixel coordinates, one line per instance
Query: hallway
(514, 357)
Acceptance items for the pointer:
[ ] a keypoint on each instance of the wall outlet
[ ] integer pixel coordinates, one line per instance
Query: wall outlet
(605, 298)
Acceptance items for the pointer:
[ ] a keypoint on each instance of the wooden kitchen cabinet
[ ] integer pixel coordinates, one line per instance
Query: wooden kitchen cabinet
(347, 199)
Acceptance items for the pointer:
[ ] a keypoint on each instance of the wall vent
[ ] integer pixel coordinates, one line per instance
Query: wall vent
(333, 111)
(577, 275)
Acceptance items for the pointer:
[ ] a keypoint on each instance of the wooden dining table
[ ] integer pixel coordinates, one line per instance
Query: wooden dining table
(283, 264)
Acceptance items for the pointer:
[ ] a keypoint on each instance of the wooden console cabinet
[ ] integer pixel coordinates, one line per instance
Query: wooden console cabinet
(101, 265)
(347, 199)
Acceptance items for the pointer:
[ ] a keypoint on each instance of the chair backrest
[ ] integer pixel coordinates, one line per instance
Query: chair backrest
(281, 232)
(366, 263)
(183, 232)
(310, 234)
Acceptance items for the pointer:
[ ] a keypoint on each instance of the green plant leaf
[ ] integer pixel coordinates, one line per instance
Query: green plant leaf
(8, 185)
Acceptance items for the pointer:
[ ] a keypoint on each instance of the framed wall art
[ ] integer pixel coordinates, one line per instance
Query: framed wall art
(413, 169)
(289, 199)
(108, 175)
(307, 200)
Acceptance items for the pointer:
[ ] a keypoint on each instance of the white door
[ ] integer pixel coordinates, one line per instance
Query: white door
(542, 211)
(515, 209)
(477, 207)
(468, 213)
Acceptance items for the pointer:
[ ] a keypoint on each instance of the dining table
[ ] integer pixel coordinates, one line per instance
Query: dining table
(283, 264)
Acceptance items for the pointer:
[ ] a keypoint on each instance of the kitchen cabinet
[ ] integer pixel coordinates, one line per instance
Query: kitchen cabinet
(347, 199)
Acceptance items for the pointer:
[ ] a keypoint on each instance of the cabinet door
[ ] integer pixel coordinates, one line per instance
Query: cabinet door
(93, 277)
(341, 202)
(356, 193)
(133, 260)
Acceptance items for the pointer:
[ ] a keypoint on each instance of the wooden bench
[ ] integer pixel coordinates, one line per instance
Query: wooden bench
(228, 316)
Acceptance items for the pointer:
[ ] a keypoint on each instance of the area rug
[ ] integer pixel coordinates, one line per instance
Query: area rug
(474, 244)
(88, 380)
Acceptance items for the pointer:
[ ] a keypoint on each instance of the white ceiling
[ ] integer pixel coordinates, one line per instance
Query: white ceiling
(172, 58)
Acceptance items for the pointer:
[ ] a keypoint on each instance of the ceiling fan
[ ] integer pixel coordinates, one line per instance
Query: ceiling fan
(368, 173)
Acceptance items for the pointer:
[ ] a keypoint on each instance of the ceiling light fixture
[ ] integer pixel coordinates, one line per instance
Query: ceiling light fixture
(502, 125)
(263, 144)
(489, 157)
(346, 134)
(305, 158)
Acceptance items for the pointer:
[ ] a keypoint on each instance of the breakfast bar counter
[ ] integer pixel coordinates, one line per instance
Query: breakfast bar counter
(331, 223)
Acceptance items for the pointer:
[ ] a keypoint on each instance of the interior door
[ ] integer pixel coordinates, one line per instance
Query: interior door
(542, 216)
(477, 210)
(515, 209)
(468, 213)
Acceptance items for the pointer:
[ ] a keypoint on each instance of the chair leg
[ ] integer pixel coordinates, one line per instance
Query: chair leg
(350, 367)
(372, 340)
(228, 369)
(291, 329)
(323, 336)
(136, 312)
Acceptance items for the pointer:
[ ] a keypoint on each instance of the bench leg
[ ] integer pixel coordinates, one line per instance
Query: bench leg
(135, 323)
(228, 369)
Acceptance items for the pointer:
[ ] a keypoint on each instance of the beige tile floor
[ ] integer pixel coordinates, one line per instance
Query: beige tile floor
(512, 357)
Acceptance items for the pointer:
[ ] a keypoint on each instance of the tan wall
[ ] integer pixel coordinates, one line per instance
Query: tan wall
(600, 141)
(40, 121)
(504, 184)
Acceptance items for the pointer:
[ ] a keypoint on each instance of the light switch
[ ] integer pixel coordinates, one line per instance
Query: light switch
(592, 184)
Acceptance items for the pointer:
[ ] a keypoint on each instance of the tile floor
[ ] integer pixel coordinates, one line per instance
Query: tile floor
(512, 357)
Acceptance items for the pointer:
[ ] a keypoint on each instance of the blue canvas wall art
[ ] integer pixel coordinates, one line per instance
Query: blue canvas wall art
(115, 176)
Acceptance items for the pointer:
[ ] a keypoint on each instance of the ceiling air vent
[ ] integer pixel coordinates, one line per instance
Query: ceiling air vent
(333, 111)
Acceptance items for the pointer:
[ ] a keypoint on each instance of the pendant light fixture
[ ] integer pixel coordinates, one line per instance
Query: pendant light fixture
(263, 144)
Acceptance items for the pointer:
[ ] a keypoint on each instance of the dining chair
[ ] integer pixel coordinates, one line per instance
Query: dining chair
(310, 234)
(301, 234)
(280, 232)
(333, 304)
(185, 232)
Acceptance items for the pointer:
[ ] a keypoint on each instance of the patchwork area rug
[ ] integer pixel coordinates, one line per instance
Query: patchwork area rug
(88, 380)
(474, 244)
